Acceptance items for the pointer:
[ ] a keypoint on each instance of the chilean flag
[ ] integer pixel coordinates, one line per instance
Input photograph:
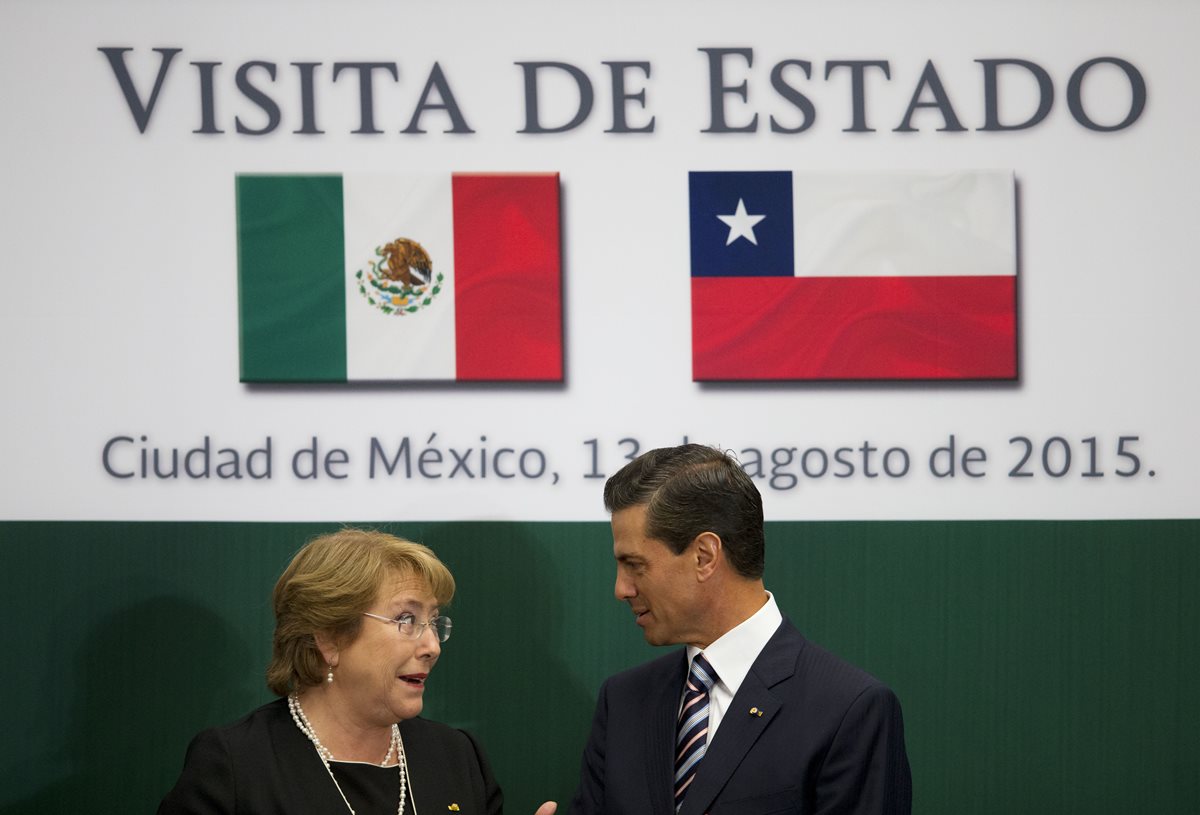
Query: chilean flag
(823, 276)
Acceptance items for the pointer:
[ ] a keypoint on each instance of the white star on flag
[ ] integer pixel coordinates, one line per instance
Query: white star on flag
(741, 224)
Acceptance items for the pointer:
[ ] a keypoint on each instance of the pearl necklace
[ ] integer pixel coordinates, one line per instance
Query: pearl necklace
(394, 746)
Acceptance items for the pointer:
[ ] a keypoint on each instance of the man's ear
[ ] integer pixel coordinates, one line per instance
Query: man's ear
(708, 552)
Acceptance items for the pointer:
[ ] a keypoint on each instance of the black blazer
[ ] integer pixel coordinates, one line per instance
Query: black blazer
(830, 738)
(263, 764)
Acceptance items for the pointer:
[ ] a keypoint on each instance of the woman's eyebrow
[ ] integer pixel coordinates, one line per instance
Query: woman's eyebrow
(411, 604)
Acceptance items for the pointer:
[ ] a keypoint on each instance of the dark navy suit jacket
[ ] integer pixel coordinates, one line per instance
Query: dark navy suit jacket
(830, 740)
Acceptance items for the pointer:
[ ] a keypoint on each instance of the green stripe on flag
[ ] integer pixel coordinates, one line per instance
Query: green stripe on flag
(291, 278)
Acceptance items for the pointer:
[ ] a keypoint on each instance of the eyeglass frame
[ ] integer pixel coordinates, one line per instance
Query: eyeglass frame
(418, 628)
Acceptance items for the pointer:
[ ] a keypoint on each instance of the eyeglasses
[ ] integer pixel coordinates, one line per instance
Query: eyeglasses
(410, 629)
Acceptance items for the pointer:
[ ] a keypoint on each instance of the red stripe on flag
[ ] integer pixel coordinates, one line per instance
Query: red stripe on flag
(507, 285)
(765, 328)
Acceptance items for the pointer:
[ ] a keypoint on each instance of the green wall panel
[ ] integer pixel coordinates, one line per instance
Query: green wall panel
(1043, 666)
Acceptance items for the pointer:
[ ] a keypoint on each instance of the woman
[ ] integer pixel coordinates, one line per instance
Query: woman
(358, 628)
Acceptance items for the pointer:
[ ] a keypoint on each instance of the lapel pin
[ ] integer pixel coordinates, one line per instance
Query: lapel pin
(755, 712)
(453, 807)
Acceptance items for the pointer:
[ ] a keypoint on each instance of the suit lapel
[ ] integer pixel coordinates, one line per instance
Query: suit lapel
(740, 728)
(661, 707)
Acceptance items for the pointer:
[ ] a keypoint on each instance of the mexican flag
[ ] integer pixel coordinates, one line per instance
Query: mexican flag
(378, 277)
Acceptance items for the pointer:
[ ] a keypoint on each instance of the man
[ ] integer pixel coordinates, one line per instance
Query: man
(750, 717)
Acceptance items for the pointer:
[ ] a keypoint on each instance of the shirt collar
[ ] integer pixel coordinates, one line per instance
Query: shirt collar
(732, 654)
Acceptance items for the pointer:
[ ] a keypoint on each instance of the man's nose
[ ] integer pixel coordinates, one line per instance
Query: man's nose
(624, 589)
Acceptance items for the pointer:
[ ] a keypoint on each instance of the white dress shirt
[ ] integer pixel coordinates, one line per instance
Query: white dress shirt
(731, 656)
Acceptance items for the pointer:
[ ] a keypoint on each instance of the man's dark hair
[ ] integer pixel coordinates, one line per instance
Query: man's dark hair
(692, 489)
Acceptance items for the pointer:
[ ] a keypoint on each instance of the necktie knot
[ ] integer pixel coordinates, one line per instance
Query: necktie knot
(702, 676)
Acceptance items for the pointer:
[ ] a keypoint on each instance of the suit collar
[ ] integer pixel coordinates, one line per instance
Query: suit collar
(778, 659)
(750, 713)
(732, 654)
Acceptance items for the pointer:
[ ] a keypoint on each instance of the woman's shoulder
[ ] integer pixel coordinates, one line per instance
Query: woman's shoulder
(449, 762)
(260, 724)
(422, 729)
(231, 763)
(253, 741)
(272, 711)
(427, 737)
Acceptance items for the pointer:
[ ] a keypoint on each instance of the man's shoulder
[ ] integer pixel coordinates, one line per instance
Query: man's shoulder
(788, 655)
(654, 671)
(818, 668)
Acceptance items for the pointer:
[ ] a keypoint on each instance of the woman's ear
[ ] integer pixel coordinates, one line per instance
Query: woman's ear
(328, 648)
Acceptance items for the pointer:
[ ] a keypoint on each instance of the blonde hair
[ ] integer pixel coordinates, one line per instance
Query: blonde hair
(327, 586)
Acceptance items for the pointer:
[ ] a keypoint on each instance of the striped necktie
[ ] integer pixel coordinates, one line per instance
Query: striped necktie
(692, 737)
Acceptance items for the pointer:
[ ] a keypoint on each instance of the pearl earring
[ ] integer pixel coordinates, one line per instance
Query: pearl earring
(329, 676)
